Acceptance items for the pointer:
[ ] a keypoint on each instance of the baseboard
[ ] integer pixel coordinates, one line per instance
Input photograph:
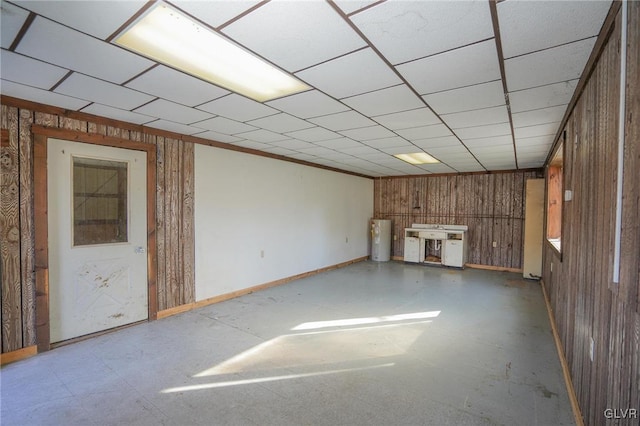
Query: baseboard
(221, 298)
(563, 361)
(493, 268)
(18, 355)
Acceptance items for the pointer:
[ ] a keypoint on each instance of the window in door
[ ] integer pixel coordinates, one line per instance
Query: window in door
(99, 201)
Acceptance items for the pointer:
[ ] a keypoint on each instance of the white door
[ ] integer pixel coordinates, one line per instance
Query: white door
(97, 211)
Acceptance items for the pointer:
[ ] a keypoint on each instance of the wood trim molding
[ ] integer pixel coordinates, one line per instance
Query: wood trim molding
(41, 136)
(493, 268)
(488, 172)
(18, 355)
(563, 361)
(227, 296)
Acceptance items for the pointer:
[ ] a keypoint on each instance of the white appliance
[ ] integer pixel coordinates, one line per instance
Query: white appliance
(381, 240)
(436, 244)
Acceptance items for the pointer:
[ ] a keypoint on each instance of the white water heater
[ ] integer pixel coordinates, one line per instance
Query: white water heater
(381, 240)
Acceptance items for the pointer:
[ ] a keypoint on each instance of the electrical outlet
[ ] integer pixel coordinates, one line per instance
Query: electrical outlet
(346, 240)
(591, 350)
(551, 266)
(261, 253)
(395, 238)
(495, 244)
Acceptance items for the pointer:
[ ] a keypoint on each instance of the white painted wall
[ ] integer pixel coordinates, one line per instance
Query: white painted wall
(302, 218)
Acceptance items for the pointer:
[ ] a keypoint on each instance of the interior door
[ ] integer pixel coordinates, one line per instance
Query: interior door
(97, 238)
(533, 229)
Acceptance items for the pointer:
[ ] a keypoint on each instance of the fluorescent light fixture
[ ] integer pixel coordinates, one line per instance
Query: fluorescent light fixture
(417, 158)
(166, 35)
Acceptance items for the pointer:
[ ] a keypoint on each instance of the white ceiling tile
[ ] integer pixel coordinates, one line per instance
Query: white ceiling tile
(554, 65)
(182, 88)
(173, 127)
(62, 46)
(482, 151)
(537, 130)
(92, 89)
(262, 135)
(405, 30)
(406, 119)
(406, 149)
(293, 144)
(376, 157)
(484, 131)
(350, 6)
(12, 19)
(360, 150)
(465, 66)
(279, 151)
(480, 117)
(535, 141)
(538, 116)
(343, 121)
(215, 13)
(490, 141)
(484, 95)
(301, 156)
(452, 150)
(445, 141)
(253, 145)
(297, 33)
(386, 142)
(117, 114)
(314, 134)
(339, 144)
(28, 93)
(543, 96)
(308, 104)
(425, 132)
(353, 74)
(281, 123)
(385, 101)
(23, 70)
(436, 168)
(237, 107)
(173, 112)
(224, 125)
(97, 18)
(527, 26)
(218, 137)
(318, 151)
(367, 133)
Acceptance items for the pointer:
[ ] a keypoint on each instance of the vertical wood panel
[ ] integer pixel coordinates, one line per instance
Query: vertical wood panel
(27, 235)
(588, 304)
(161, 224)
(188, 237)
(491, 205)
(10, 235)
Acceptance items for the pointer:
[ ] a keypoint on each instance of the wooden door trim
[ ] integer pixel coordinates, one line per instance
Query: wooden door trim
(41, 137)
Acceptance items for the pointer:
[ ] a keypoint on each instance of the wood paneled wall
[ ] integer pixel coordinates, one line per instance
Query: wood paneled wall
(587, 304)
(174, 203)
(490, 204)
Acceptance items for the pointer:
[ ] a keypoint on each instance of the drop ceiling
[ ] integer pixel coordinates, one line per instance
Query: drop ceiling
(387, 77)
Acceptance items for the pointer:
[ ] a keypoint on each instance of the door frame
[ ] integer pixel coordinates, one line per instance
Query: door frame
(41, 136)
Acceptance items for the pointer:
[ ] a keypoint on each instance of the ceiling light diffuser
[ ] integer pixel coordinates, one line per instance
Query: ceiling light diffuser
(417, 158)
(167, 35)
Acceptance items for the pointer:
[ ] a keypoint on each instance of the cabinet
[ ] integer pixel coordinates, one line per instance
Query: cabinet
(436, 244)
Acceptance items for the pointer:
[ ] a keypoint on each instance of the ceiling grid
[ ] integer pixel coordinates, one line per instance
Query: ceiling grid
(478, 84)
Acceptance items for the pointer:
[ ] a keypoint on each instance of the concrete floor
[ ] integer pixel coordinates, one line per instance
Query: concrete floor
(369, 344)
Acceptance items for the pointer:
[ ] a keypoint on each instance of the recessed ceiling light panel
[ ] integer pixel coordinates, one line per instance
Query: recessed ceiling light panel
(417, 158)
(167, 35)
